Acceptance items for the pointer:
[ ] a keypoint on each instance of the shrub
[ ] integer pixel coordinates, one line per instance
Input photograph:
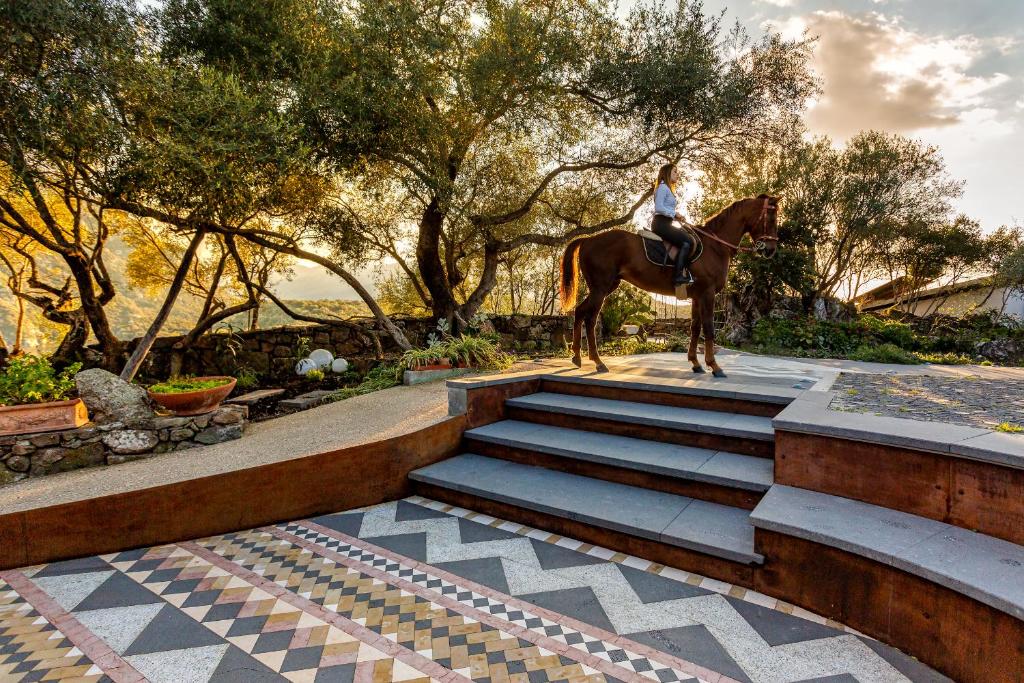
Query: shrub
(31, 379)
(629, 346)
(418, 357)
(315, 375)
(1009, 428)
(948, 358)
(183, 385)
(247, 378)
(884, 353)
(477, 352)
(626, 305)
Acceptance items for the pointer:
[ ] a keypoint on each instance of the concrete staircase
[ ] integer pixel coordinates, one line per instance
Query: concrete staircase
(650, 472)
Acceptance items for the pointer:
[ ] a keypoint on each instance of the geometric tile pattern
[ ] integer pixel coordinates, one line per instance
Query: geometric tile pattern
(411, 590)
(32, 649)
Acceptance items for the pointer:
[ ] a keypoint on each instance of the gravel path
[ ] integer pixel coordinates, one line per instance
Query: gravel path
(966, 400)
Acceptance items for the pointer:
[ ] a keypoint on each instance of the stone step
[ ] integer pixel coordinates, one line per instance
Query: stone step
(708, 528)
(310, 399)
(982, 567)
(704, 394)
(735, 433)
(721, 468)
(254, 397)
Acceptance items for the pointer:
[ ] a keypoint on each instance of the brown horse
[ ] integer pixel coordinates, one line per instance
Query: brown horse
(609, 257)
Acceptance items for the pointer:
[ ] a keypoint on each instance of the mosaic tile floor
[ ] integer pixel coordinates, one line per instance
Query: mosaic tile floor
(411, 590)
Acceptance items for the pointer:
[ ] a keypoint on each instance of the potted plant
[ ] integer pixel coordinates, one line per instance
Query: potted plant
(35, 398)
(192, 395)
(476, 352)
(431, 358)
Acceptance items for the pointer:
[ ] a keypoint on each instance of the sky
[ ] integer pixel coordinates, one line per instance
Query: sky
(947, 72)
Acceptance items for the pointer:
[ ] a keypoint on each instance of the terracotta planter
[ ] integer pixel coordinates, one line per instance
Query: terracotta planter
(42, 417)
(195, 402)
(436, 364)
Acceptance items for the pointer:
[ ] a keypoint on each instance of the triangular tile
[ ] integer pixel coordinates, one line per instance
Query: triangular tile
(347, 524)
(179, 666)
(119, 626)
(475, 532)
(369, 654)
(411, 512)
(650, 587)
(245, 643)
(236, 666)
(219, 627)
(488, 571)
(71, 589)
(172, 630)
(694, 644)
(400, 671)
(779, 628)
(341, 673)
(117, 591)
(409, 545)
(80, 566)
(578, 603)
(553, 556)
(272, 659)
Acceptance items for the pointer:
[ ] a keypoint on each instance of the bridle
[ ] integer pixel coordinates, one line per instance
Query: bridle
(762, 222)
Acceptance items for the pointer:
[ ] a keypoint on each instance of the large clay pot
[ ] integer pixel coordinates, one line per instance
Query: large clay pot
(195, 402)
(42, 417)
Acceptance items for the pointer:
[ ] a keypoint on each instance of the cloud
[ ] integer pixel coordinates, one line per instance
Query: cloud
(878, 74)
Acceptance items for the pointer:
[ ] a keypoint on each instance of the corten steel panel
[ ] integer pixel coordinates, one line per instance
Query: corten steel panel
(725, 405)
(988, 498)
(896, 478)
(715, 493)
(717, 442)
(725, 570)
(351, 477)
(960, 637)
(485, 405)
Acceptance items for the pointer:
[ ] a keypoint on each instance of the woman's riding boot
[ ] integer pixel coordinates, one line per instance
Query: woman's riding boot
(682, 273)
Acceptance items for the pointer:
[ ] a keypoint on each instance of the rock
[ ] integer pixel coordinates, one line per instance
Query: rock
(18, 463)
(180, 434)
(131, 441)
(23, 448)
(1001, 351)
(7, 477)
(212, 435)
(109, 398)
(227, 417)
(44, 440)
(53, 460)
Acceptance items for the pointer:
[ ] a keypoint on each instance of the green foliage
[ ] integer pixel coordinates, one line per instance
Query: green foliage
(627, 305)
(381, 377)
(947, 358)
(883, 353)
(315, 375)
(414, 358)
(183, 385)
(247, 378)
(31, 379)
(837, 338)
(1009, 428)
(476, 352)
(629, 346)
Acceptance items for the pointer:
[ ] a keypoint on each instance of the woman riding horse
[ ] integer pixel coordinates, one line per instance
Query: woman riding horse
(661, 224)
(607, 258)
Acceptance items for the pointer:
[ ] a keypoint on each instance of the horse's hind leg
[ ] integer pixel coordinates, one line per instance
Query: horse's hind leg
(587, 314)
(695, 328)
(577, 337)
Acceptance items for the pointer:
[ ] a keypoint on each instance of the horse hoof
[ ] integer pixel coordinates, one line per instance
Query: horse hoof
(698, 369)
(719, 373)
(601, 367)
(577, 362)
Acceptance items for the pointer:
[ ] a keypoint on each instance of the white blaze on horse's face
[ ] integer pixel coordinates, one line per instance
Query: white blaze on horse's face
(766, 243)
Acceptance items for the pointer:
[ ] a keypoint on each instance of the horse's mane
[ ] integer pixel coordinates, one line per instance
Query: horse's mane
(711, 224)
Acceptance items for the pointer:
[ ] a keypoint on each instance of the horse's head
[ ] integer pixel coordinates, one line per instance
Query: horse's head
(762, 224)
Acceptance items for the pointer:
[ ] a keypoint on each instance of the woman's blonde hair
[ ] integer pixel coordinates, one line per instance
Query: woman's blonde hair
(665, 176)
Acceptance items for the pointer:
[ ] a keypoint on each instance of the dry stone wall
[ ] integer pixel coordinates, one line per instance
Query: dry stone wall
(35, 455)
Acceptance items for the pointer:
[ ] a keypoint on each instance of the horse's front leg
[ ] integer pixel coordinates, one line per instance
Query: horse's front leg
(694, 338)
(707, 314)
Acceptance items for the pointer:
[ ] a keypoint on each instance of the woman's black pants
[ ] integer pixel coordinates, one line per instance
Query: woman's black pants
(663, 228)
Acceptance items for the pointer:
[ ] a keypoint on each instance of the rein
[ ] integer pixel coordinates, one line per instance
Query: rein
(761, 220)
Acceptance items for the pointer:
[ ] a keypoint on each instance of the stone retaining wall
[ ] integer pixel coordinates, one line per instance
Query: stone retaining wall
(34, 455)
(273, 352)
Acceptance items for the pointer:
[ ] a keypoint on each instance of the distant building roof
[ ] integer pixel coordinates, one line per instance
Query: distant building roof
(885, 295)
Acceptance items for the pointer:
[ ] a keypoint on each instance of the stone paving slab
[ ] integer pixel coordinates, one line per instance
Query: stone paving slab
(686, 462)
(691, 419)
(714, 529)
(987, 569)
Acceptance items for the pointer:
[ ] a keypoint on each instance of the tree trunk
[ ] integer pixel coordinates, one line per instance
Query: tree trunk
(428, 258)
(4, 353)
(254, 316)
(70, 348)
(146, 343)
(19, 329)
(110, 345)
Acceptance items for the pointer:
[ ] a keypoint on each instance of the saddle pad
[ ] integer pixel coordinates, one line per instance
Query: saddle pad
(657, 252)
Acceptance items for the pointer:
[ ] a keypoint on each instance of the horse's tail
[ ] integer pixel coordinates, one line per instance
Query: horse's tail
(570, 265)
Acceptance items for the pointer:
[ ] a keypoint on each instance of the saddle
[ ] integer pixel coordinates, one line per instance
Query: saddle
(662, 253)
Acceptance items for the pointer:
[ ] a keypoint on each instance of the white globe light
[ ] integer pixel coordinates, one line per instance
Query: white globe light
(304, 366)
(339, 365)
(322, 357)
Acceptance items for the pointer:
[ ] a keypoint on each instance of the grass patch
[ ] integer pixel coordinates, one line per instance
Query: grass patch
(184, 385)
(381, 377)
(884, 353)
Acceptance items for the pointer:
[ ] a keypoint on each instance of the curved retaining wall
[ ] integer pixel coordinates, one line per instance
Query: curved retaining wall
(357, 476)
